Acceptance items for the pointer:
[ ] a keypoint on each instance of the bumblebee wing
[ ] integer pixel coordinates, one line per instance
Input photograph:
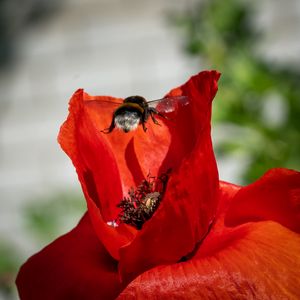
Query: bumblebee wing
(103, 105)
(102, 109)
(113, 103)
(169, 104)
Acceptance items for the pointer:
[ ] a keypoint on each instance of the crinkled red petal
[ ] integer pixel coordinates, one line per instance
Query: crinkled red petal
(258, 260)
(189, 204)
(97, 171)
(275, 196)
(75, 266)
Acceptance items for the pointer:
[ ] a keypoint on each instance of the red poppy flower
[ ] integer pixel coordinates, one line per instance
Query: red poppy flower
(205, 240)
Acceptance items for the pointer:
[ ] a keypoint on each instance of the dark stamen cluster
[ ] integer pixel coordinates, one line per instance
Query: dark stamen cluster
(141, 203)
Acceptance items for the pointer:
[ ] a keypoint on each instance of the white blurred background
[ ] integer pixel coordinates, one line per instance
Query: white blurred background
(108, 47)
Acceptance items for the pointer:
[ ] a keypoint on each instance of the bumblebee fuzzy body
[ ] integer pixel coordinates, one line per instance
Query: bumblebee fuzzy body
(133, 111)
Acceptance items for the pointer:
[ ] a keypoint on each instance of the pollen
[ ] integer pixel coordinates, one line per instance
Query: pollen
(142, 202)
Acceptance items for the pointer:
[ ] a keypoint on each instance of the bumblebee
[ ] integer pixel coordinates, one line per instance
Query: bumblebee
(135, 110)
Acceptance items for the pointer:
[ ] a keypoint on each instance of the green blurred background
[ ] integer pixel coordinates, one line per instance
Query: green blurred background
(49, 49)
(258, 102)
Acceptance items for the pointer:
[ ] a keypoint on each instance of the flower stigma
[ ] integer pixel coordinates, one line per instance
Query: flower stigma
(142, 202)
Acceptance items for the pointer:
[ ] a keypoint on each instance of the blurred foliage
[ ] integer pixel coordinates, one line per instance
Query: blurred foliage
(9, 264)
(54, 216)
(257, 100)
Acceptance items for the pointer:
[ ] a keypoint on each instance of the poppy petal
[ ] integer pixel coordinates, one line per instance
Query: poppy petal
(97, 171)
(189, 204)
(275, 196)
(75, 266)
(107, 164)
(258, 261)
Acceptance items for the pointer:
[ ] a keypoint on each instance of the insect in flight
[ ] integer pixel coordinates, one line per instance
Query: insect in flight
(135, 110)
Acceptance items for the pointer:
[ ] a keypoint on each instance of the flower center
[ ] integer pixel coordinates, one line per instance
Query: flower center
(142, 202)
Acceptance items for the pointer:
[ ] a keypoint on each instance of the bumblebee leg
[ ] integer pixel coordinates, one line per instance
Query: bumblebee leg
(144, 126)
(111, 127)
(153, 112)
(153, 118)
